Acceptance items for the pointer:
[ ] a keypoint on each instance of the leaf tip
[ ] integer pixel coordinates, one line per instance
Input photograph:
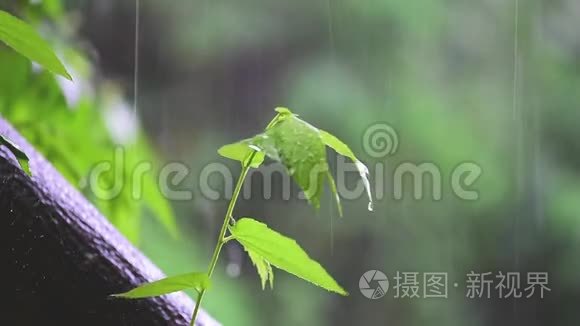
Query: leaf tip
(61, 70)
(283, 110)
(67, 75)
(339, 290)
(20, 156)
(118, 295)
(25, 165)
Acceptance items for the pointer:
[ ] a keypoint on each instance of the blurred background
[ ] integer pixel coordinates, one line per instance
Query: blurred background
(492, 82)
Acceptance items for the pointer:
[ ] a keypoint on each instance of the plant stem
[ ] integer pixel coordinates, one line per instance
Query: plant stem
(221, 237)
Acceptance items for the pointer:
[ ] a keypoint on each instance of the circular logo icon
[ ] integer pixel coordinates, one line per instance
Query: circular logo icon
(380, 140)
(373, 284)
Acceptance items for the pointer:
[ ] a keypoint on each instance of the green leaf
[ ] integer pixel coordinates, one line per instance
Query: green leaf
(283, 253)
(298, 146)
(197, 281)
(283, 111)
(342, 149)
(263, 267)
(18, 153)
(301, 148)
(242, 151)
(25, 40)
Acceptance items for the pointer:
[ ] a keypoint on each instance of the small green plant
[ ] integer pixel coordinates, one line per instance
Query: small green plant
(301, 148)
(23, 39)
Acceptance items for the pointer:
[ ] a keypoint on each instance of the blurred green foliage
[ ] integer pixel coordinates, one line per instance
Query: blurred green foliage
(72, 134)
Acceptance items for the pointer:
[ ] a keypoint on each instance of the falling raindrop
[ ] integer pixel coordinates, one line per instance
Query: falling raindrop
(136, 59)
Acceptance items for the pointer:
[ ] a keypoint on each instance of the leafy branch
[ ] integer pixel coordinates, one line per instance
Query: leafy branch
(301, 148)
(25, 40)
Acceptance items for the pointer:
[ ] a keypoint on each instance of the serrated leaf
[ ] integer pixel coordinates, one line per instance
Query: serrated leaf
(197, 281)
(298, 146)
(263, 267)
(25, 40)
(341, 148)
(242, 151)
(21, 157)
(301, 148)
(282, 252)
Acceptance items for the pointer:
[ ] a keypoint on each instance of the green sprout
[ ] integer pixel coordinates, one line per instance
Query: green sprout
(301, 148)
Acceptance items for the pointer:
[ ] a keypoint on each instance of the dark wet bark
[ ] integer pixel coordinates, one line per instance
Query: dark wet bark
(65, 258)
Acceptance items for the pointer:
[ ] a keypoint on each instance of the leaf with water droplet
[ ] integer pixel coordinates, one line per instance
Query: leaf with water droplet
(298, 146)
(341, 148)
(242, 151)
(301, 148)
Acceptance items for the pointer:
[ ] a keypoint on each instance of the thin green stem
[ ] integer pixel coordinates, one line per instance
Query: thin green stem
(227, 219)
(221, 238)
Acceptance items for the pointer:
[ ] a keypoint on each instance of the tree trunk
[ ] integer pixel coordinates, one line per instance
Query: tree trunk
(65, 259)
